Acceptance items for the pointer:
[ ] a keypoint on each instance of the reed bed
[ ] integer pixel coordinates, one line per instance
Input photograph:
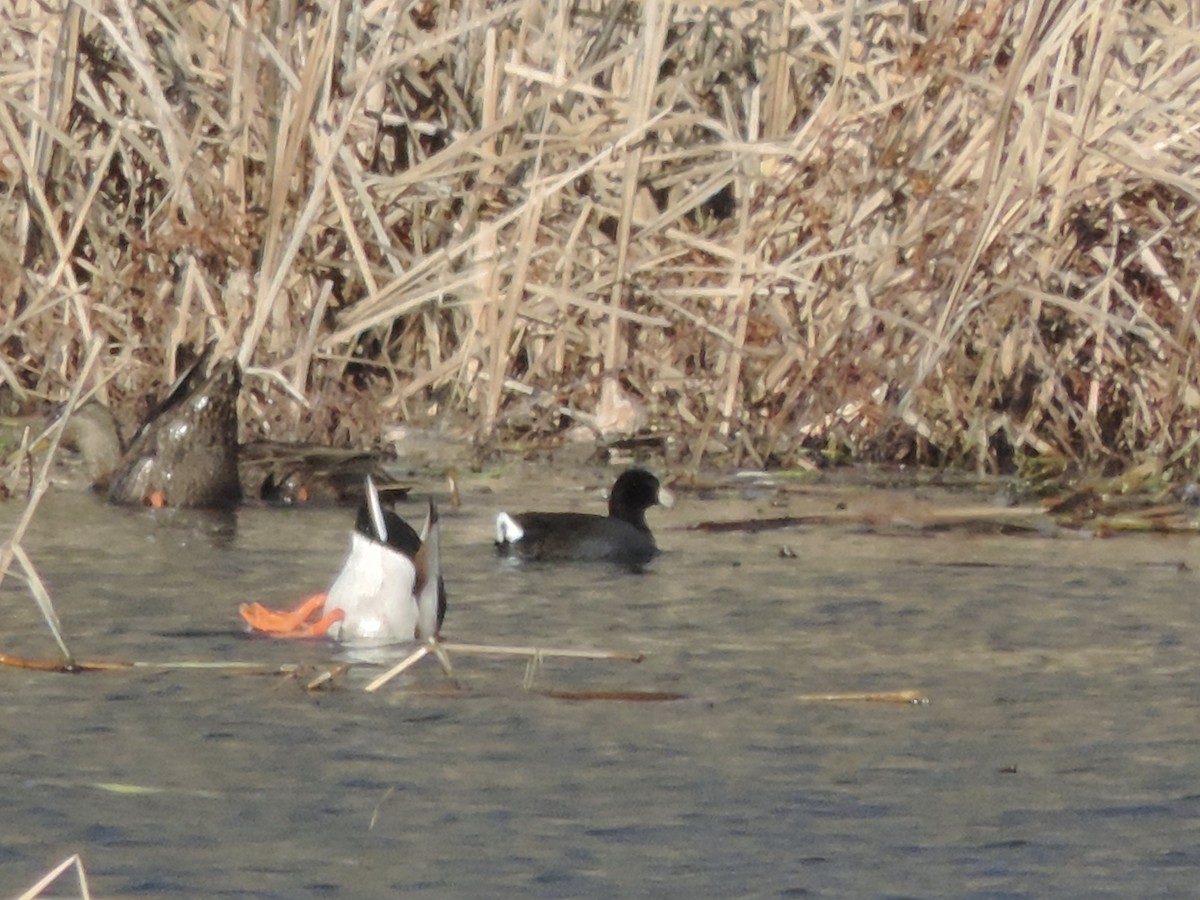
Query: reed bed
(950, 232)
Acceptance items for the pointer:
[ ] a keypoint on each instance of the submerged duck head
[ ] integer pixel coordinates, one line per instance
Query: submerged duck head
(623, 536)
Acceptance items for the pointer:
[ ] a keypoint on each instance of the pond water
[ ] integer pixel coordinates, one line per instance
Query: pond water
(1056, 757)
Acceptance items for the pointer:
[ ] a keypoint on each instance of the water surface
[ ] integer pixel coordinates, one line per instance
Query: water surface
(1056, 757)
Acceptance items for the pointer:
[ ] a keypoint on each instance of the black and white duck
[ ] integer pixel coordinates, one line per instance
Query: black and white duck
(389, 589)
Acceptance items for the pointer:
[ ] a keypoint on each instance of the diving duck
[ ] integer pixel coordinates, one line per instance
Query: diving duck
(389, 589)
(184, 454)
(621, 537)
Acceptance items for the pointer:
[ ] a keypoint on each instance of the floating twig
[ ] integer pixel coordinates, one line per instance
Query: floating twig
(326, 676)
(910, 696)
(982, 516)
(517, 650)
(407, 663)
(626, 696)
(74, 666)
(50, 877)
(442, 650)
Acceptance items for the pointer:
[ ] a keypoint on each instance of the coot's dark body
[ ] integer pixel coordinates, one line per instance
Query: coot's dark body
(620, 537)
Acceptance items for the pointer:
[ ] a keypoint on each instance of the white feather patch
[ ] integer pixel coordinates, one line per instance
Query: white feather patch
(507, 529)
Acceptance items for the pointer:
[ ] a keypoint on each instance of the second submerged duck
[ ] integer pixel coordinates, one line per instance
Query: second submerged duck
(621, 537)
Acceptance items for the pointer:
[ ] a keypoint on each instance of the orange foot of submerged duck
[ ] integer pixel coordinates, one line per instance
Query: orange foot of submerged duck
(307, 620)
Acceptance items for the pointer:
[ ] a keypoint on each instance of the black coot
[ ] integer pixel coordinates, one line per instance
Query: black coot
(621, 537)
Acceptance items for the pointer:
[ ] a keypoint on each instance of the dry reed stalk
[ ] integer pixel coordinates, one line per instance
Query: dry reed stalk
(73, 861)
(535, 655)
(561, 653)
(610, 695)
(11, 549)
(936, 232)
(907, 696)
(92, 665)
(403, 666)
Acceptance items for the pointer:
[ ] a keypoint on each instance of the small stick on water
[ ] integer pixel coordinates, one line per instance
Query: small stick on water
(911, 696)
(442, 657)
(58, 665)
(536, 655)
(50, 877)
(407, 663)
(531, 670)
(509, 650)
(326, 676)
(379, 806)
(622, 696)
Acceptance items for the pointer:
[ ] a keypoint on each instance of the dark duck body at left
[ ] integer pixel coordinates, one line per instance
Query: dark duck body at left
(184, 454)
(389, 589)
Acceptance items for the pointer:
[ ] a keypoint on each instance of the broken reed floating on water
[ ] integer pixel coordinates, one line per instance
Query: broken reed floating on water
(534, 654)
(907, 696)
(68, 667)
(81, 883)
(325, 677)
(944, 232)
(438, 648)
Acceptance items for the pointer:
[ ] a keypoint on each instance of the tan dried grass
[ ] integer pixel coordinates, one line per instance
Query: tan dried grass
(954, 231)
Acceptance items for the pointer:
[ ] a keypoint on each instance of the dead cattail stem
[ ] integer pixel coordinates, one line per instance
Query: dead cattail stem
(11, 549)
(906, 696)
(534, 655)
(73, 861)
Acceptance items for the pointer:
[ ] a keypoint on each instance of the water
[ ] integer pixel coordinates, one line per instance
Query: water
(1056, 757)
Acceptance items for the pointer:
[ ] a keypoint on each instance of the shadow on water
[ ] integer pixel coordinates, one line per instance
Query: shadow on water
(1056, 756)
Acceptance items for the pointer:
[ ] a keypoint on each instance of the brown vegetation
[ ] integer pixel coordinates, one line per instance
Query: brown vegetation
(950, 231)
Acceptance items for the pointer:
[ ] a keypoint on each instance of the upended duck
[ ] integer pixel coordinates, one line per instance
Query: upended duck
(184, 454)
(389, 589)
(621, 537)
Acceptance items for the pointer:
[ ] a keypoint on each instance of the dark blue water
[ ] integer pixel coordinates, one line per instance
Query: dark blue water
(1056, 757)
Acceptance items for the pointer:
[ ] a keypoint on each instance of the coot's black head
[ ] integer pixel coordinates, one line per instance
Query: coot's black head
(635, 491)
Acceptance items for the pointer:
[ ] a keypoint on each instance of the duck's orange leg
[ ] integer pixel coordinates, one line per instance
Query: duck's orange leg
(298, 622)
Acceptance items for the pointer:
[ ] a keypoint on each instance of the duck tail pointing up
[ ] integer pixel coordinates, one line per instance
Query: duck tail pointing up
(376, 508)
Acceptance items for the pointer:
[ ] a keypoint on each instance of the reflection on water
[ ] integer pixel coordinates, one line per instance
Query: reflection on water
(1057, 756)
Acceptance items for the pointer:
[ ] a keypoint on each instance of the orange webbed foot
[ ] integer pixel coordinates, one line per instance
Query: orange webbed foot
(306, 620)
